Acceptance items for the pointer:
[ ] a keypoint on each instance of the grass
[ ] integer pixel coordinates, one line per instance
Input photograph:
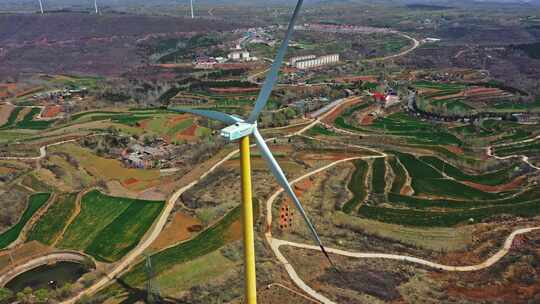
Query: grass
(108, 227)
(51, 224)
(357, 186)
(499, 177)
(379, 173)
(523, 148)
(318, 130)
(35, 202)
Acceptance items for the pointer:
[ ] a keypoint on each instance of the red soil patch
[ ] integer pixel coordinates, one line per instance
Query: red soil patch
(177, 230)
(454, 149)
(406, 190)
(51, 111)
(174, 120)
(367, 120)
(234, 90)
(499, 188)
(190, 131)
(130, 181)
(235, 231)
(174, 65)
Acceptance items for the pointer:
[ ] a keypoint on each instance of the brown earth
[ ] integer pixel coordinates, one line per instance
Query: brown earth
(5, 112)
(22, 253)
(177, 230)
(367, 120)
(348, 79)
(191, 131)
(454, 149)
(130, 181)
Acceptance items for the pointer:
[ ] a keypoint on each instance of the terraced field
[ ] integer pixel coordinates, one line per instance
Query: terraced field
(108, 227)
(51, 224)
(357, 185)
(35, 202)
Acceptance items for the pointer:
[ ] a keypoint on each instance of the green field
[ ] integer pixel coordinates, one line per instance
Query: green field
(12, 118)
(415, 131)
(204, 243)
(357, 186)
(108, 227)
(28, 123)
(379, 172)
(35, 202)
(51, 224)
(413, 217)
(529, 148)
(427, 181)
(499, 177)
(400, 177)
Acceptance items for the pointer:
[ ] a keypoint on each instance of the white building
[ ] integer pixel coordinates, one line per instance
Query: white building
(317, 62)
(294, 60)
(240, 56)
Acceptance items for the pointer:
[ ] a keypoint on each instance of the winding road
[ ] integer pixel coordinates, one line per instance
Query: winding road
(490, 151)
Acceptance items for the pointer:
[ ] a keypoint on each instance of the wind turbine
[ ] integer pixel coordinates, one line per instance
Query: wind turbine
(41, 7)
(192, 14)
(96, 7)
(241, 129)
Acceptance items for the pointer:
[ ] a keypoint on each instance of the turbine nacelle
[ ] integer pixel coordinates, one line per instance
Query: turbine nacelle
(238, 130)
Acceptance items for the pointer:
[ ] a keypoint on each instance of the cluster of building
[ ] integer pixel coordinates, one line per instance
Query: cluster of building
(147, 157)
(256, 36)
(312, 61)
(238, 54)
(343, 28)
(387, 99)
(61, 94)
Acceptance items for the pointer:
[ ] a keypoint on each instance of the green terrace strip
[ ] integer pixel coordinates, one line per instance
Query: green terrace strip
(400, 175)
(418, 131)
(420, 203)
(341, 121)
(521, 148)
(12, 118)
(51, 224)
(319, 130)
(357, 186)
(495, 178)
(428, 181)
(206, 242)
(379, 173)
(414, 217)
(35, 202)
(108, 227)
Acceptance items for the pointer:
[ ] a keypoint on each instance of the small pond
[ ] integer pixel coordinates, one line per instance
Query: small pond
(40, 277)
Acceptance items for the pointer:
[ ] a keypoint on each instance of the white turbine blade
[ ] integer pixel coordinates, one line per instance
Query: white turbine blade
(41, 7)
(272, 76)
(192, 14)
(96, 7)
(223, 117)
(283, 182)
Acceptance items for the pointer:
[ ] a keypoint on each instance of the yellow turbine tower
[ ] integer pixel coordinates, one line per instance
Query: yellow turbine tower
(241, 130)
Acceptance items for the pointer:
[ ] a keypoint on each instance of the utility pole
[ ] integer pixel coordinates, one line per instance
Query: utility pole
(152, 289)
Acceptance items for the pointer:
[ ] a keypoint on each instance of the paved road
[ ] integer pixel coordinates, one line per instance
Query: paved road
(416, 44)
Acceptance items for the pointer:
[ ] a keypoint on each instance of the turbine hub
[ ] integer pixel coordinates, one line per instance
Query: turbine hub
(238, 130)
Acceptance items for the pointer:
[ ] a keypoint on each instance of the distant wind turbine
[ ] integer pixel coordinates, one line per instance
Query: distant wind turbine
(192, 14)
(41, 7)
(241, 129)
(96, 7)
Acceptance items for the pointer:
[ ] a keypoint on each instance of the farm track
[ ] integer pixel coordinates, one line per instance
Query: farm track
(491, 152)
(275, 244)
(32, 221)
(73, 216)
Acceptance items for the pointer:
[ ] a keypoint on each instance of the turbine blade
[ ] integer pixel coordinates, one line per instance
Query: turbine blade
(283, 182)
(223, 117)
(272, 76)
